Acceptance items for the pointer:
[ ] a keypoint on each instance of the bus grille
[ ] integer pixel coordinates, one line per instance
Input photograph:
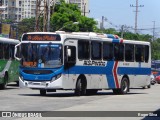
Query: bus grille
(37, 72)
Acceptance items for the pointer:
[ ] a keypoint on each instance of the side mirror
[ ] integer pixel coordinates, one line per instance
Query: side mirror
(16, 52)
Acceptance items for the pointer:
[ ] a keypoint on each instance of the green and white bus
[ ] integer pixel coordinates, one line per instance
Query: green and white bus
(8, 65)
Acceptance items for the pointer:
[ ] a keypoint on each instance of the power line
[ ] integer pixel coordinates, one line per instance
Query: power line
(126, 28)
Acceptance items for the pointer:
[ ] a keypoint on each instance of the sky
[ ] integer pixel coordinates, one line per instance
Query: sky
(119, 12)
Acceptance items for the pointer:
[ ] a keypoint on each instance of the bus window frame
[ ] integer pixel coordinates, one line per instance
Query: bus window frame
(118, 53)
(133, 54)
(100, 56)
(110, 54)
(89, 50)
(140, 54)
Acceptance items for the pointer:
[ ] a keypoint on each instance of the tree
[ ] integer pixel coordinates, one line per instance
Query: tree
(66, 14)
(155, 45)
(26, 25)
(7, 21)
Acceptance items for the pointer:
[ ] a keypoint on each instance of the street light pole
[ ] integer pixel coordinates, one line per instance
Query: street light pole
(74, 23)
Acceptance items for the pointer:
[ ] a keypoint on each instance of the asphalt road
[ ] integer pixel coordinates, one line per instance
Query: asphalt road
(139, 102)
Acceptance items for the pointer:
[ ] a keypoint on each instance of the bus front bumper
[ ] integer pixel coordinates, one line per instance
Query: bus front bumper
(57, 84)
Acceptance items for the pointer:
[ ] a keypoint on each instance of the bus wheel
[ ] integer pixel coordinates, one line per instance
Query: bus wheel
(17, 83)
(4, 84)
(124, 86)
(42, 92)
(80, 87)
(149, 86)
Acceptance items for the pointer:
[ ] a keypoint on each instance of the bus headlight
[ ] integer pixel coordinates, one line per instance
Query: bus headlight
(56, 77)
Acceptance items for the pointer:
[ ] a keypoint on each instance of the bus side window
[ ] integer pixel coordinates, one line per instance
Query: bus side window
(96, 50)
(107, 51)
(139, 53)
(129, 52)
(83, 49)
(146, 53)
(11, 51)
(6, 51)
(1, 50)
(118, 51)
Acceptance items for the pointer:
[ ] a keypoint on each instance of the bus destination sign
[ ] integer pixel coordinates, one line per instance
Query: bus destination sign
(41, 37)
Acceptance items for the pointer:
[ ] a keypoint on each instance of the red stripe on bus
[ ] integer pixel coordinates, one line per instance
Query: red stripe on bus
(115, 74)
(121, 41)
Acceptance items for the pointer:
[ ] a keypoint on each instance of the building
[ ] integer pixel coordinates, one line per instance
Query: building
(82, 4)
(20, 9)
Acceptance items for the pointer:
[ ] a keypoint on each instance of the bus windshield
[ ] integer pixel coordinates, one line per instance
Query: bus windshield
(41, 55)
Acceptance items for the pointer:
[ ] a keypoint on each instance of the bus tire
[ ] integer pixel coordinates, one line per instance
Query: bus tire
(149, 86)
(80, 87)
(42, 92)
(124, 88)
(17, 83)
(4, 84)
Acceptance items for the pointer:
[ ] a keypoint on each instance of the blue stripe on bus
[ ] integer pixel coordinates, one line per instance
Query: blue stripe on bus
(115, 41)
(108, 70)
(109, 74)
(104, 70)
(133, 71)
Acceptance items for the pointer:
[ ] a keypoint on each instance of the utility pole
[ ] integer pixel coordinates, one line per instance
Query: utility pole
(43, 11)
(84, 9)
(153, 30)
(102, 23)
(136, 13)
(122, 31)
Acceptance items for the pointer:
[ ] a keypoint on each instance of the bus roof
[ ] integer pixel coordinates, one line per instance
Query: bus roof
(93, 35)
(8, 40)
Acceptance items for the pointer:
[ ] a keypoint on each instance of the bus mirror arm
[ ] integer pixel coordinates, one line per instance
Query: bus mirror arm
(15, 52)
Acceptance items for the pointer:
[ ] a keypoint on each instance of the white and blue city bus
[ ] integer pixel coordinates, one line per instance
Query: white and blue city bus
(83, 62)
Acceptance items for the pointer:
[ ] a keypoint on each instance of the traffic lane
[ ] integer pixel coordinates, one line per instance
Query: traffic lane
(136, 100)
(27, 99)
(103, 101)
(14, 98)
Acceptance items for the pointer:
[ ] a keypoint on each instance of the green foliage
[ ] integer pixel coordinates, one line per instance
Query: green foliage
(86, 24)
(156, 49)
(7, 21)
(27, 25)
(111, 31)
(66, 14)
(133, 36)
